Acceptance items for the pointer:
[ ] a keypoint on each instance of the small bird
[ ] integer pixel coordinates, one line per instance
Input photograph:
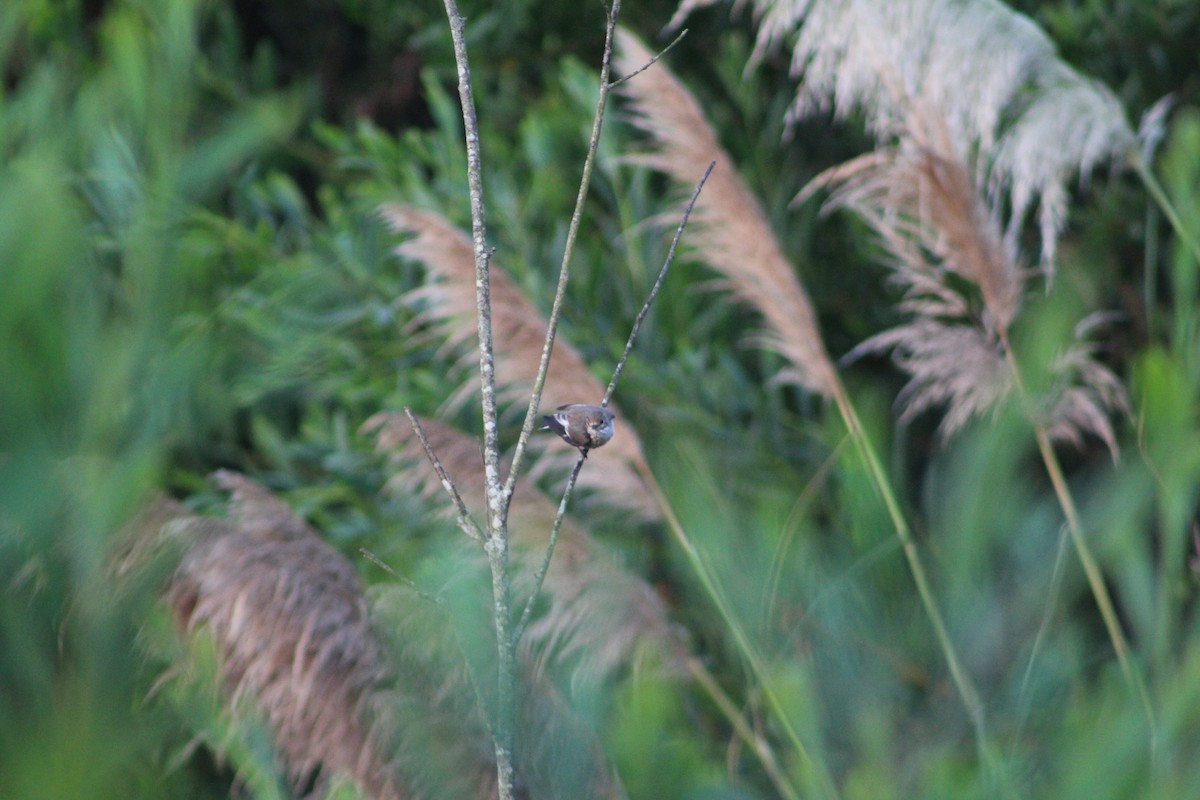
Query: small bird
(581, 425)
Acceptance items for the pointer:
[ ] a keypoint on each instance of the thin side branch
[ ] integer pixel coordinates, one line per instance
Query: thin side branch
(651, 62)
(535, 396)
(464, 520)
(383, 565)
(540, 576)
(662, 274)
(637, 326)
(379, 562)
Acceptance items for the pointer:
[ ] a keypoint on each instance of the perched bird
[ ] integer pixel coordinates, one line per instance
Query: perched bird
(581, 425)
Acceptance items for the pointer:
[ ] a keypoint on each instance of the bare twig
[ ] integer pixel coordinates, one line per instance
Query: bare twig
(637, 326)
(651, 62)
(464, 520)
(544, 567)
(379, 562)
(535, 396)
(662, 274)
(383, 565)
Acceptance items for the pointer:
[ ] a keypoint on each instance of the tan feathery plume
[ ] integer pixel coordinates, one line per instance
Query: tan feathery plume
(730, 230)
(290, 621)
(597, 610)
(943, 80)
(291, 626)
(447, 304)
(736, 240)
(1020, 123)
(943, 237)
(1001, 89)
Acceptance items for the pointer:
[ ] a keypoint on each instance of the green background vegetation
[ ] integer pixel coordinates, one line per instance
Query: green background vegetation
(193, 276)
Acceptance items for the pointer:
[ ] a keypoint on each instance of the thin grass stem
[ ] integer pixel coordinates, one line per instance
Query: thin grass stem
(1168, 208)
(1056, 580)
(962, 681)
(753, 739)
(1091, 569)
(745, 646)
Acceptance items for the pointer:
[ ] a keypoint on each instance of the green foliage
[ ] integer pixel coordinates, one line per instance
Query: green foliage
(101, 169)
(655, 747)
(193, 280)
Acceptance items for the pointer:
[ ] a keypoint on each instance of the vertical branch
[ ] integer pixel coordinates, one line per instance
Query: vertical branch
(483, 301)
(496, 543)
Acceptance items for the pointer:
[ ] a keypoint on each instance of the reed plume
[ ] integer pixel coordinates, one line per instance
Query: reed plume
(730, 230)
(963, 287)
(980, 123)
(292, 628)
(736, 241)
(993, 76)
(373, 688)
(447, 308)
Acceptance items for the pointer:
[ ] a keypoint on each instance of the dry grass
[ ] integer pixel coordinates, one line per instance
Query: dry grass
(299, 647)
(729, 230)
(963, 288)
(979, 124)
(291, 625)
(999, 86)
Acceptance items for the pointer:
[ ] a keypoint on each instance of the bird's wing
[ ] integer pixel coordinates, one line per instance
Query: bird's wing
(556, 423)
